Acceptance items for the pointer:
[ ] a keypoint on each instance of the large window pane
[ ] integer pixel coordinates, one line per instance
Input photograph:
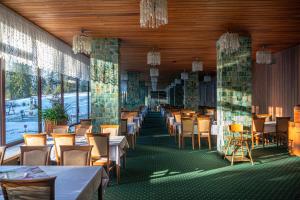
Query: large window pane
(21, 102)
(51, 89)
(70, 98)
(83, 99)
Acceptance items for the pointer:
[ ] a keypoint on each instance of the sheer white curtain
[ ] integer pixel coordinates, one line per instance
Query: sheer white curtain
(23, 42)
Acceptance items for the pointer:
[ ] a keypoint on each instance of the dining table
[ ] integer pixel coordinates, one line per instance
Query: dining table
(117, 150)
(72, 182)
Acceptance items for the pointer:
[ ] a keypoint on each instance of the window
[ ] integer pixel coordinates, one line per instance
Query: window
(51, 90)
(21, 101)
(83, 99)
(70, 98)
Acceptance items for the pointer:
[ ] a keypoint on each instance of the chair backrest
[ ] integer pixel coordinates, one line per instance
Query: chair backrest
(236, 128)
(75, 155)
(86, 122)
(60, 129)
(35, 139)
(41, 188)
(34, 155)
(124, 127)
(130, 119)
(204, 124)
(258, 125)
(62, 139)
(187, 126)
(267, 117)
(2, 154)
(83, 129)
(282, 124)
(113, 129)
(177, 117)
(100, 143)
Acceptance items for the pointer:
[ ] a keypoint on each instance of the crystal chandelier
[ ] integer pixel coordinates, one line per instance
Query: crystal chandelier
(229, 42)
(154, 80)
(154, 72)
(197, 66)
(153, 58)
(124, 76)
(154, 86)
(264, 57)
(153, 13)
(82, 43)
(184, 76)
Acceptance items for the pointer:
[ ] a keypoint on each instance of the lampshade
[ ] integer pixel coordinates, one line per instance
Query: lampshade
(82, 43)
(153, 58)
(197, 66)
(184, 76)
(154, 72)
(124, 76)
(154, 80)
(153, 13)
(263, 57)
(229, 42)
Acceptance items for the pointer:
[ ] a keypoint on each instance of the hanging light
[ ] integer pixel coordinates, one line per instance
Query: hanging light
(153, 13)
(124, 76)
(197, 66)
(184, 76)
(263, 56)
(173, 84)
(153, 58)
(82, 43)
(154, 72)
(229, 42)
(154, 80)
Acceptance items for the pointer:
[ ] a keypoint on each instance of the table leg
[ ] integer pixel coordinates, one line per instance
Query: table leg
(118, 171)
(100, 194)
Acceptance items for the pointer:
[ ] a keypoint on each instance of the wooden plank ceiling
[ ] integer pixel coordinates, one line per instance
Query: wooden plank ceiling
(193, 29)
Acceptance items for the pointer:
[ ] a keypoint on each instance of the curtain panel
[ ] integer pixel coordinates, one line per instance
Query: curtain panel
(23, 42)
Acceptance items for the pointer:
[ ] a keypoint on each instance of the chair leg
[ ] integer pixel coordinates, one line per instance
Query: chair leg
(199, 141)
(233, 154)
(249, 152)
(193, 141)
(263, 140)
(179, 141)
(209, 142)
(252, 139)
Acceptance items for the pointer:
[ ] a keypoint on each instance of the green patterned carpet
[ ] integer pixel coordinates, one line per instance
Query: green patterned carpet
(157, 169)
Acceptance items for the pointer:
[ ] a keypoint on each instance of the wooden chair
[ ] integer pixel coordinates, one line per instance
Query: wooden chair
(177, 118)
(86, 122)
(124, 131)
(75, 155)
(112, 129)
(187, 130)
(267, 117)
(100, 151)
(258, 131)
(282, 124)
(41, 188)
(204, 130)
(62, 139)
(34, 155)
(83, 129)
(35, 139)
(238, 142)
(2, 154)
(61, 129)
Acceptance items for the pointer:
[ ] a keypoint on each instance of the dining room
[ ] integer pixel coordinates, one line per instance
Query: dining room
(149, 99)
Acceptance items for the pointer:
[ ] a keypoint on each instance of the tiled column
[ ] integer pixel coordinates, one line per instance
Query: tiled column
(178, 95)
(234, 89)
(133, 91)
(191, 91)
(172, 99)
(105, 82)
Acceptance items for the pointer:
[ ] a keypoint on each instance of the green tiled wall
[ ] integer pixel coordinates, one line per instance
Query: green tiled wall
(136, 92)
(172, 99)
(234, 89)
(191, 96)
(179, 95)
(105, 82)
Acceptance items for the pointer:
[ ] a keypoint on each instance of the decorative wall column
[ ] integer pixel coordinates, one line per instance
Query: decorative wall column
(179, 95)
(134, 95)
(234, 89)
(105, 82)
(172, 95)
(191, 91)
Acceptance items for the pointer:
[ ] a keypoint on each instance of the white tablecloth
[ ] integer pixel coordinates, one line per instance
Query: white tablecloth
(137, 121)
(117, 146)
(73, 182)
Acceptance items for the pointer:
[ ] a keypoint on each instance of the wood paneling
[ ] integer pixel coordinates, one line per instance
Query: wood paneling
(194, 26)
(277, 86)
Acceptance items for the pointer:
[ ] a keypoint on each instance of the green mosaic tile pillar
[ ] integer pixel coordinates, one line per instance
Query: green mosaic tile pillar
(179, 95)
(133, 91)
(191, 91)
(234, 89)
(105, 82)
(143, 93)
(172, 99)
